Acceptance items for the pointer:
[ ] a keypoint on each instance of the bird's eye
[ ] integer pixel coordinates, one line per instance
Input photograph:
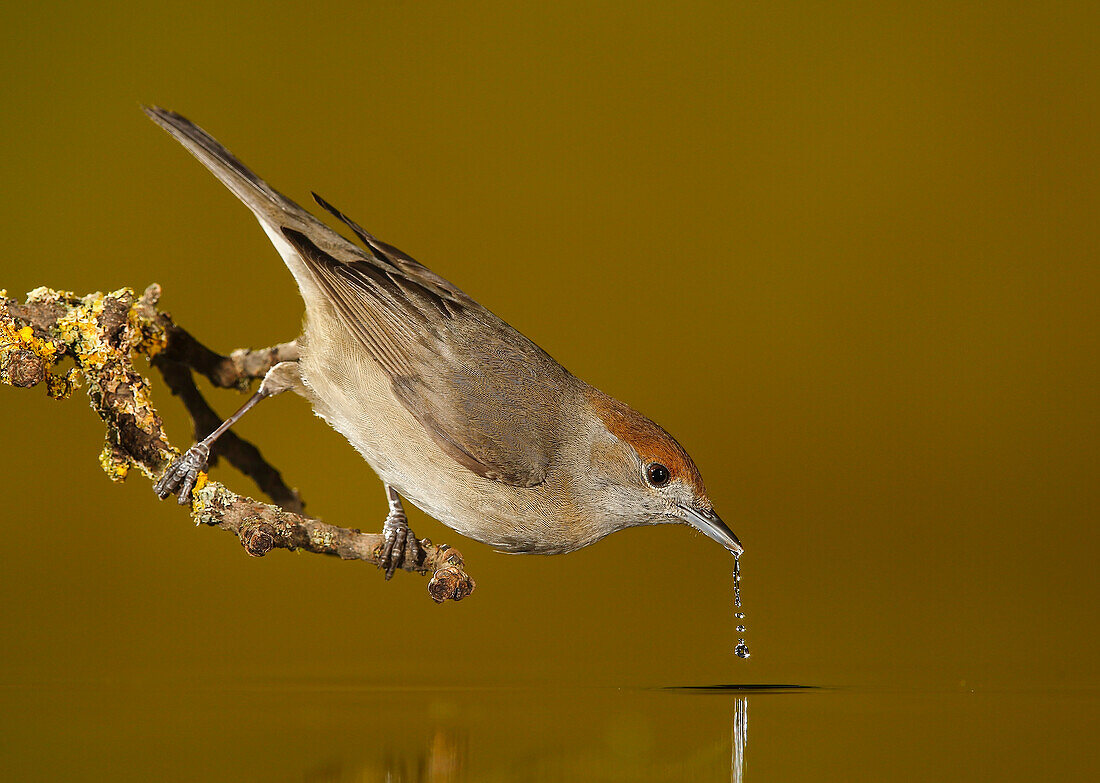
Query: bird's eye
(657, 474)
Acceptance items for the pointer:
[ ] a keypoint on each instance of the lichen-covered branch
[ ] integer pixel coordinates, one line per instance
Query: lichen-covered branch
(100, 333)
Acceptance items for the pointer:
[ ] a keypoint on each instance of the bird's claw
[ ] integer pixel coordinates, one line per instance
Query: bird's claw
(400, 545)
(182, 474)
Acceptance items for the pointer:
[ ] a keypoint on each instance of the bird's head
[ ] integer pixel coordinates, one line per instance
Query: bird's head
(642, 476)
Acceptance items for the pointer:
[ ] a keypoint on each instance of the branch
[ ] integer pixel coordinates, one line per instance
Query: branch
(240, 453)
(100, 332)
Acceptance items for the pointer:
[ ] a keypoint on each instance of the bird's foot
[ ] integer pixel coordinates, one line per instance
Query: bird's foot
(182, 474)
(400, 545)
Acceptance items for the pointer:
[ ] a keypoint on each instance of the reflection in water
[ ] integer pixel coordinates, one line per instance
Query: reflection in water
(447, 758)
(740, 738)
(442, 761)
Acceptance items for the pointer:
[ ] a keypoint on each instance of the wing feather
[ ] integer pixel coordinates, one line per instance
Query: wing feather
(458, 369)
(455, 366)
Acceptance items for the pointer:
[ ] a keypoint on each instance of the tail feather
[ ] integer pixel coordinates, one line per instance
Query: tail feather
(277, 214)
(272, 209)
(257, 195)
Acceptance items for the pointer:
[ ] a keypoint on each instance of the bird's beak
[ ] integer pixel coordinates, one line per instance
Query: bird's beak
(711, 525)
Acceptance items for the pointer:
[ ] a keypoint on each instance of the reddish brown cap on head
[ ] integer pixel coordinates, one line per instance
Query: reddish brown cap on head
(651, 442)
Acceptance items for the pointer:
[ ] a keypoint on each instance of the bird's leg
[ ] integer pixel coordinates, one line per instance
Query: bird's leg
(184, 471)
(400, 543)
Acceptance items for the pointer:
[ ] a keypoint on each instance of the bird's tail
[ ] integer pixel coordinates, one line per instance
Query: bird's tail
(266, 202)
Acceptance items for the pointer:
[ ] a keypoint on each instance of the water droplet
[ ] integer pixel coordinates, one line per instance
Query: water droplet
(742, 649)
(737, 580)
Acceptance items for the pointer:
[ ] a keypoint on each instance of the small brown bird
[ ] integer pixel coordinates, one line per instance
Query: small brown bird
(454, 409)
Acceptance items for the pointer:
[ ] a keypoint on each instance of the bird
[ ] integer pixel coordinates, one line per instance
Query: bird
(455, 410)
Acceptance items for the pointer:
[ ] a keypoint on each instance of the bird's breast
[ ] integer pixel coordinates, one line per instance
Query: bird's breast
(352, 392)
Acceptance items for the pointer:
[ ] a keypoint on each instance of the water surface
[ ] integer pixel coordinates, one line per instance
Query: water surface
(354, 731)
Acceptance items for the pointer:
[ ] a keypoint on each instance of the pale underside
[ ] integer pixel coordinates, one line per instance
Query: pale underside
(450, 405)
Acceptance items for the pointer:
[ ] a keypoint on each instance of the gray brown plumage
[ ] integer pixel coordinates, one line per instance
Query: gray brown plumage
(452, 407)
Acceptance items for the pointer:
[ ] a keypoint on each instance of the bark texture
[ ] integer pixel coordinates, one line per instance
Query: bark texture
(101, 333)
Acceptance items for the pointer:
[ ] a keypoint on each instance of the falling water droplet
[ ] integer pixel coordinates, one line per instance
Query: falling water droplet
(742, 649)
(737, 581)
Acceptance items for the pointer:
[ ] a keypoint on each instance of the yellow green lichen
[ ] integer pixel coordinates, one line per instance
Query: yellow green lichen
(204, 496)
(115, 464)
(44, 294)
(24, 339)
(322, 539)
(79, 329)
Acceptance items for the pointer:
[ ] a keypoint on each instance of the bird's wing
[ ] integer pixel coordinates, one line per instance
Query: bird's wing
(490, 397)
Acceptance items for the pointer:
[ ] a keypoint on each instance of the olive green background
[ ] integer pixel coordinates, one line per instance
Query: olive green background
(846, 254)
